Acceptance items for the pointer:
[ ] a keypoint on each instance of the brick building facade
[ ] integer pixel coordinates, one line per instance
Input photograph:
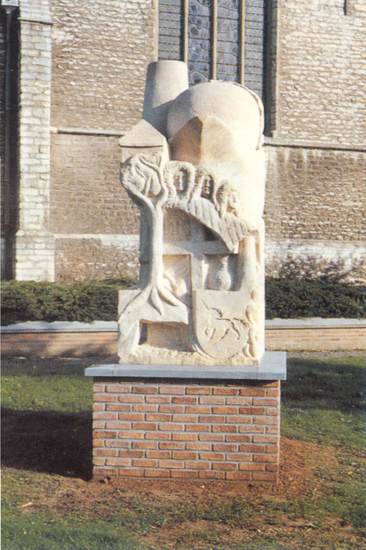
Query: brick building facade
(80, 71)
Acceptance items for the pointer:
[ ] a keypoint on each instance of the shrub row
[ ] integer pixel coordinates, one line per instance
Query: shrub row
(296, 298)
(85, 302)
(97, 300)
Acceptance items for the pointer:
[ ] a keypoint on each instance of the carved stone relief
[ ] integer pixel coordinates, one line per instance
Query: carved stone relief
(200, 299)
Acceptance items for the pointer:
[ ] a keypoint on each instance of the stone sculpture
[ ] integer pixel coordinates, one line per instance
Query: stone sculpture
(195, 168)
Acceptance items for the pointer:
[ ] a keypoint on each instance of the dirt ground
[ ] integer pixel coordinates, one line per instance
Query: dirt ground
(300, 463)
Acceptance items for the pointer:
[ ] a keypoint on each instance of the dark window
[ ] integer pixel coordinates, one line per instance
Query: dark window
(208, 35)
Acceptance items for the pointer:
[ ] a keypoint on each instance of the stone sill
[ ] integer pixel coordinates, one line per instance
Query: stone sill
(272, 367)
(111, 326)
(61, 326)
(314, 323)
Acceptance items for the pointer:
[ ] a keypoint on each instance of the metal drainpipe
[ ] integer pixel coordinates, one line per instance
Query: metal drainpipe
(10, 6)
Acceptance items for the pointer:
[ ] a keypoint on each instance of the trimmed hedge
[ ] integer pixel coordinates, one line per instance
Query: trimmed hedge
(296, 298)
(86, 302)
(97, 300)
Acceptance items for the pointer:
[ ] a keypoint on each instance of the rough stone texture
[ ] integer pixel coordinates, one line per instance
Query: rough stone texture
(35, 11)
(80, 259)
(341, 261)
(201, 291)
(315, 205)
(316, 194)
(86, 195)
(322, 71)
(35, 257)
(100, 54)
(198, 431)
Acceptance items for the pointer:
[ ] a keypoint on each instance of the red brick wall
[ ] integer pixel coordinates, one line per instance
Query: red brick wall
(175, 430)
(49, 344)
(316, 339)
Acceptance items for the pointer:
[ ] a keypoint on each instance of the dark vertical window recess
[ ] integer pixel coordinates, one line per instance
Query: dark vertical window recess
(170, 29)
(10, 171)
(215, 31)
(199, 40)
(228, 40)
(254, 45)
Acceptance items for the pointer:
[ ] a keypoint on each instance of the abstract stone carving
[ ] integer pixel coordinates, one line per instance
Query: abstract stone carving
(200, 299)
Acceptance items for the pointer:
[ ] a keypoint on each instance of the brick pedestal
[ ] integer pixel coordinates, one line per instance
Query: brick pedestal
(179, 427)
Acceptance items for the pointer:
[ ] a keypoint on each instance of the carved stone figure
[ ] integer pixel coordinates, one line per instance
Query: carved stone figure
(199, 184)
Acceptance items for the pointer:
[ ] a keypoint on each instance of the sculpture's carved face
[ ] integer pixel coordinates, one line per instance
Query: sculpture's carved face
(131, 176)
(181, 181)
(207, 187)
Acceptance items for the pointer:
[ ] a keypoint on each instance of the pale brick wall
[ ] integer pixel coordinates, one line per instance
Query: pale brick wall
(315, 203)
(315, 197)
(314, 76)
(34, 244)
(86, 193)
(343, 261)
(100, 54)
(99, 71)
(316, 194)
(95, 222)
(315, 206)
(83, 257)
(322, 70)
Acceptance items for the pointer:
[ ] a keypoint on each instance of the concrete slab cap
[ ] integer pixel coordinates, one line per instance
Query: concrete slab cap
(272, 367)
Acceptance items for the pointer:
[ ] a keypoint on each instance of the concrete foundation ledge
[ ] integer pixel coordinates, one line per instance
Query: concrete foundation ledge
(112, 326)
(272, 367)
(314, 323)
(61, 326)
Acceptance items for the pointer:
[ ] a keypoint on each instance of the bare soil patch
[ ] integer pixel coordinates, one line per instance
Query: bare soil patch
(187, 514)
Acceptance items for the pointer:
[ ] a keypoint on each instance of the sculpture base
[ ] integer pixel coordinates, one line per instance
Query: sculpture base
(209, 423)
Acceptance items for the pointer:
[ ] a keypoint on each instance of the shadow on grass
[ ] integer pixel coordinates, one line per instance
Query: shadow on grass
(50, 442)
(336, 384)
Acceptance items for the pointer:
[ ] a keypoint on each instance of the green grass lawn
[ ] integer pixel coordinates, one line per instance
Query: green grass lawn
(323, 400)
(49, 502)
